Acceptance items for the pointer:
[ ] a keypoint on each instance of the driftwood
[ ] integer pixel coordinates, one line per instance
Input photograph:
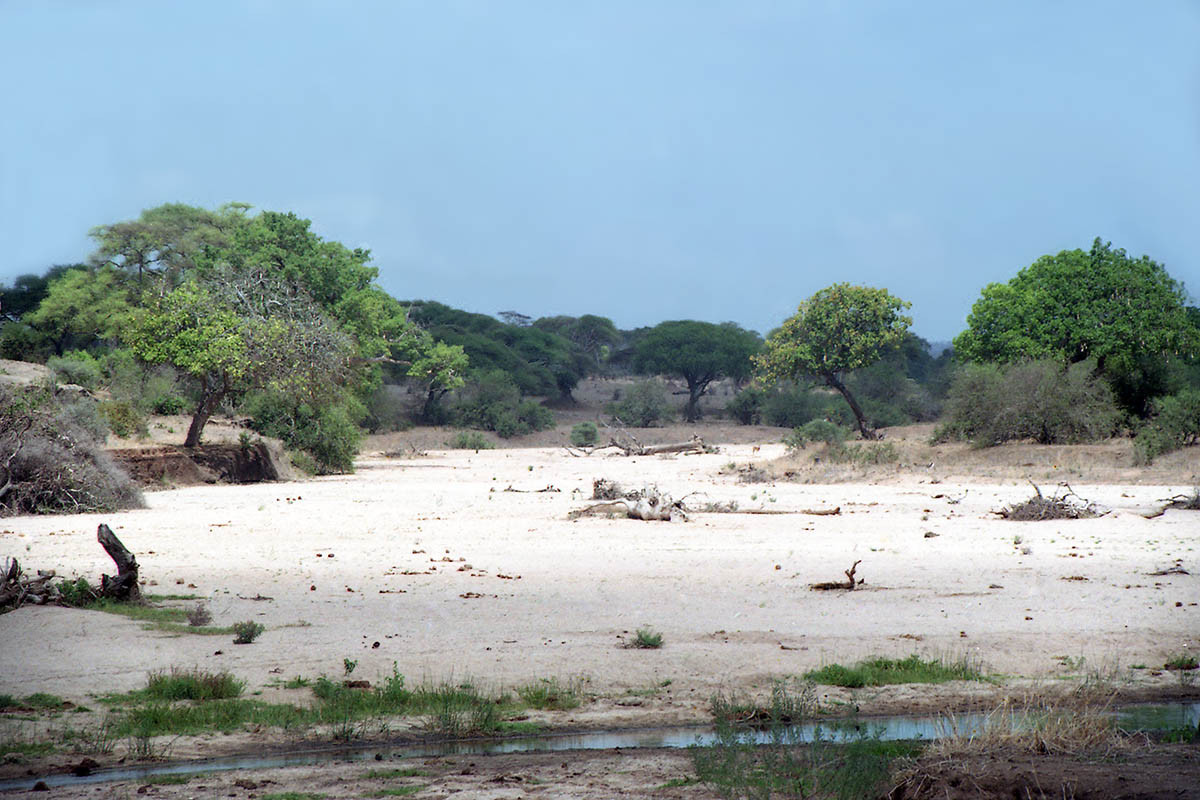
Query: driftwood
(17, 590)
(627, 443)
(533, 491)
(649, 505)
(849, 584)
(1181, 502)
(1039, 507)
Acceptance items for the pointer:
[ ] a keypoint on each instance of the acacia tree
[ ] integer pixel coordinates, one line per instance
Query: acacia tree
(698, 352)
(242, 331)
(81, 306)
(1126, 313)
(838, 329)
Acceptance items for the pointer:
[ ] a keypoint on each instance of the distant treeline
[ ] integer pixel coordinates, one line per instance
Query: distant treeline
(197, 311)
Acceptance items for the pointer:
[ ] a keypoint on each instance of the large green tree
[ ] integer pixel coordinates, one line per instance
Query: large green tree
(1126, 313)
(238, 332)
(698, 352)
(81, 307)
(839, 329)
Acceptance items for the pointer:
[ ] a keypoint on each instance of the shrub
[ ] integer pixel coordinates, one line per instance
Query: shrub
(1038, 400)
(328, 434)
(646, 638)
(870, 454)
(169, 404)
(388, 409)
(84, 414)
(470, 440)
(817, 430)
(140, 384)
(53, 465)
(78, 367)
(198, 615)
(246, 632)
(1175, 424)
(123, 418)
(194, 684)
(493, 403)
(584, 434)
(76, 593)
(643, 405)
(746, 407)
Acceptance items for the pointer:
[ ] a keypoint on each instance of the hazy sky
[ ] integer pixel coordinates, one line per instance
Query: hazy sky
(640, 159)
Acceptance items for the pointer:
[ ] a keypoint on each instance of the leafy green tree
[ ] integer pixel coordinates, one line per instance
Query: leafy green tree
(1128, 314)
(81, 307)
(440, 368)
(698, 352)
(238, 333)
(839, 329)
(164, 243)
(593, 336)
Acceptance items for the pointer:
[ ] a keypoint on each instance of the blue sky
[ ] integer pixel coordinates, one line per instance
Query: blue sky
(639, 159)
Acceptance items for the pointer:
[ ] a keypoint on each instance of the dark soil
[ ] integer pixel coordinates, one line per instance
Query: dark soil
(1164, 771)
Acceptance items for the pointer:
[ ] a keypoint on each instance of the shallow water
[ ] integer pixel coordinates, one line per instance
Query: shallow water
(920, 728)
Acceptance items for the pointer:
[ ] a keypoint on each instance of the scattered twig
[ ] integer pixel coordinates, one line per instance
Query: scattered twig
(849, 584)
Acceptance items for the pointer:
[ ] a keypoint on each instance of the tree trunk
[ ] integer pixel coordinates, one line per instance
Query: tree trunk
(124, 585)
(208, 404)
(695, 392)
(832, 380)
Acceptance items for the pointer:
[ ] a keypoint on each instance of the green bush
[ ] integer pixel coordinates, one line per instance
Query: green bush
(78, 367)
(169, 404)
(868, 454)
(76, 593)
(492, 402)
(746, 407)
(388, 409)
(246, 632)
(20, 342)
(584, 434)
(328, 434)
(642, 405)
(470, 440)
(1175, 424)
(139, 384)
(1038, 400)
(123, 418)
(817, 430)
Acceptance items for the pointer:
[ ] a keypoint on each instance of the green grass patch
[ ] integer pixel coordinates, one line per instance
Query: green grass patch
(26, 748)
(646, 639)
(1183, 661)
(548, 694)
(162, 618)
(41, 700)
(194, 684)
(880, 671)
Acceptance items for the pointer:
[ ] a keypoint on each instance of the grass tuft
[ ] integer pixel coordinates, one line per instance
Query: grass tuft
(646, 638)
(550, 695)
(880, 671)
(195, 684)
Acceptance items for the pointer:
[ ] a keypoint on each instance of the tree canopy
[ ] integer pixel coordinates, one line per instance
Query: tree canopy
(838, 329)
(698, 352)
(1126, 313)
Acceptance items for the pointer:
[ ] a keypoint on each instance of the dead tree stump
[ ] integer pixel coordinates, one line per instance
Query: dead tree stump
(124, 585)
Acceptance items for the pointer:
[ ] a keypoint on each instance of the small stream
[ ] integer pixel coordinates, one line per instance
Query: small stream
(927, 728)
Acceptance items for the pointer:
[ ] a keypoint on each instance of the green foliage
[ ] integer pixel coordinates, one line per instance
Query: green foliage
(78, 367)
(591, 335)
(493, 402)
(548, 694)
(767, 752)
(122, 418)
(698, 352)
(817, 430)
(1175, 424)
(48, 464)
(746, 407)
(880, 671)
(642, 405)
(82, 307)
(1038, 400)
(584, 434)
(470, 440)
(865, 455)
(538, 361)
(193, 684)
(1126, 314)
(20, 341)
(246, 632)
(646, 638)
(327, 433)
(838, 329)
(76, 593)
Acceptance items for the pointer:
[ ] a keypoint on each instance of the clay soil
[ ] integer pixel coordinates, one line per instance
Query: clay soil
(452, 565)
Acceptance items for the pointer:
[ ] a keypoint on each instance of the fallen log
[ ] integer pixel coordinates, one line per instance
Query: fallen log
(849, 584)
(650, 505)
